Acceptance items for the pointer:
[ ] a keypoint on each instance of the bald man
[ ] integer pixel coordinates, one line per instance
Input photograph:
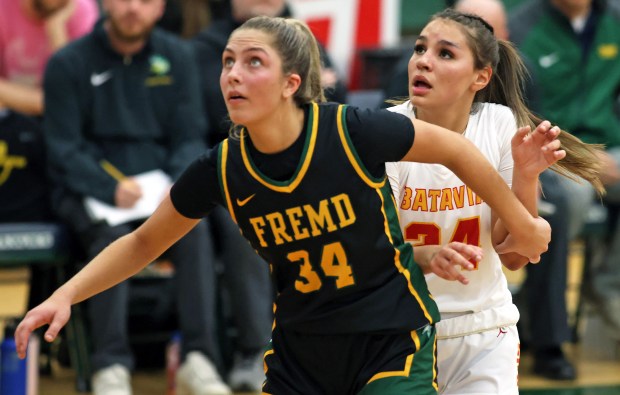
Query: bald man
(492, 11)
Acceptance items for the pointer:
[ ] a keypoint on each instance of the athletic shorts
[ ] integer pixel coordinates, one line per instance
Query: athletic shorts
(483, 363)
(366, 364)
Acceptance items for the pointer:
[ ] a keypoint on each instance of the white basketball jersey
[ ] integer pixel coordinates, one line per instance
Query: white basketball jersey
(436, 207)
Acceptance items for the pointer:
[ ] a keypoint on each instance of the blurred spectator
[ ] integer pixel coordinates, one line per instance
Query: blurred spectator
(492, 11)
(187, 18)
(24, 193)
(30, 31)
(24, 190)
(248, 292)
(574, 46)
(121, 102)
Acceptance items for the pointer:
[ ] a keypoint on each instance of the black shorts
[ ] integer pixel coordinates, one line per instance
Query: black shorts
(368, 364)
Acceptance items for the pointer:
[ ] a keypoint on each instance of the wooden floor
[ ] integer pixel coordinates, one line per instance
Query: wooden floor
(596, 356)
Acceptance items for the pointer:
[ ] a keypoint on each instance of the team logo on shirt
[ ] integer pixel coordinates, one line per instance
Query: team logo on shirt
(97, 79)
(160, 67)
(608, 51)
(9, 162)
(243, 202)
(548, 60)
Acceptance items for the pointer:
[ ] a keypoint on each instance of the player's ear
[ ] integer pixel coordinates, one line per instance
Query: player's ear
(482, 78)
(291, 85)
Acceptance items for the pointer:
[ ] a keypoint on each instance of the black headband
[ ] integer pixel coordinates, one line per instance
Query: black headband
(479, 19)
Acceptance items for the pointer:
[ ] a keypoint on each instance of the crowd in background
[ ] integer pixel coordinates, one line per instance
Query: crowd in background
(93, 96)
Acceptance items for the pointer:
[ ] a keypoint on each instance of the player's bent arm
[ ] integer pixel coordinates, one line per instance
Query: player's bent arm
(512, 261)
(525, 189)
(533, 153)
(529, 236)
(117, 262)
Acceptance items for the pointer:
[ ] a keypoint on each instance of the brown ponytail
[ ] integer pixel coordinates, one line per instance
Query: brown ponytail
(582, 160)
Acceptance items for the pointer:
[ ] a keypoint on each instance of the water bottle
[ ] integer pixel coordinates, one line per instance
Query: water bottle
(12, 369)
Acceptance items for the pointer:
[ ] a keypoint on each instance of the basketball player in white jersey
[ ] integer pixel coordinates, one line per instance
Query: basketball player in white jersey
(454, 81)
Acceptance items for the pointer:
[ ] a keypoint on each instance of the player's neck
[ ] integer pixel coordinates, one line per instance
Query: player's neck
(451, 120)
(278, 132)
(573, 11)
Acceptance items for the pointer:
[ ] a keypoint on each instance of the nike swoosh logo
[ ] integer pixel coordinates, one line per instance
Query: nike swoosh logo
(98, 79)
(245, 201)
(547, 61)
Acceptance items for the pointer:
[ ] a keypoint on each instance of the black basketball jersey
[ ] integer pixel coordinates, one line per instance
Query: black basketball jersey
(330, 234)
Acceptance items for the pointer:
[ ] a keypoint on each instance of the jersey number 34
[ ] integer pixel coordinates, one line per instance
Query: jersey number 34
(334, 264)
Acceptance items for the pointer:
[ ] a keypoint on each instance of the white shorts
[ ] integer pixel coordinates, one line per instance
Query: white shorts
(484, 363)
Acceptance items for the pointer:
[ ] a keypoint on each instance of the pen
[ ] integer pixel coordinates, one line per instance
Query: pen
(112, 170)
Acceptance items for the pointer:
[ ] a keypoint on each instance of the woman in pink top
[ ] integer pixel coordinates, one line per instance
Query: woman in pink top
(30, 31)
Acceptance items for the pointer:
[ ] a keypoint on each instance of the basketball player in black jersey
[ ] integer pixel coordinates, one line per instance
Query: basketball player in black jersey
(305, 181)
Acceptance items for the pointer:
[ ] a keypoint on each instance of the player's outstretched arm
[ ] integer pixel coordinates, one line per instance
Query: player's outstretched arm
(117, 262)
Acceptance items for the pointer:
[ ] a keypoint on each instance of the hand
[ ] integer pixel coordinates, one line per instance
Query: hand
(535, 152)
(55, 311)
(128, 192)
(60, 17)
(531, 242)
(448, 260)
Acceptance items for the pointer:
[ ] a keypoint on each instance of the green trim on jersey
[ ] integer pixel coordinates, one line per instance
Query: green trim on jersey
(304, 162)
(352, 153)
(419, 375)
(222, 157)
(403, 259)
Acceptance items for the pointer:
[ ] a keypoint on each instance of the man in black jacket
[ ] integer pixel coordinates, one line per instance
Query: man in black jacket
(122, 102)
